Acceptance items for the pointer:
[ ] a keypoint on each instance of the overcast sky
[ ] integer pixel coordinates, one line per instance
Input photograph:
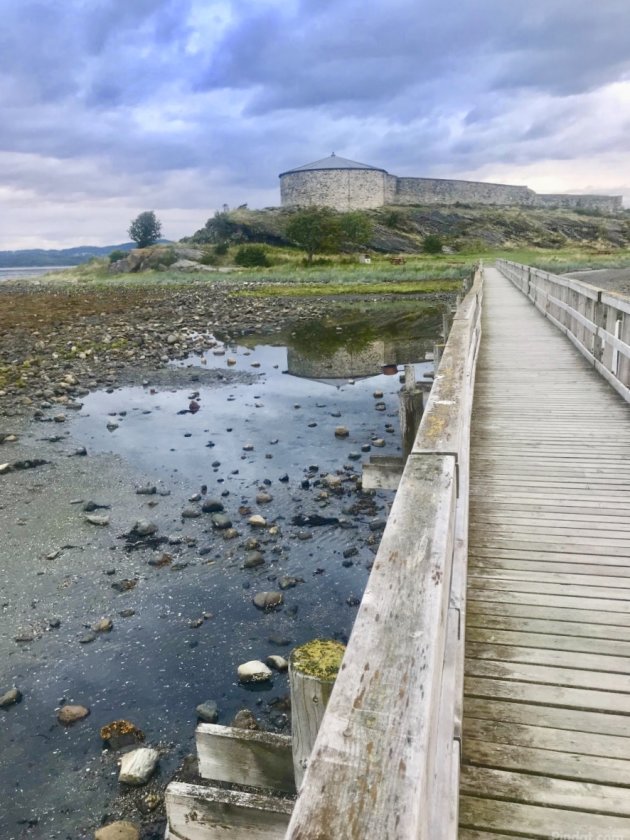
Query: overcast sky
(112, 107)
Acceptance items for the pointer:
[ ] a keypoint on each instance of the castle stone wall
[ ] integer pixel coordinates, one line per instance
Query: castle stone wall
(442, 191)
(605, 203)
(364, 189)
(342, 189)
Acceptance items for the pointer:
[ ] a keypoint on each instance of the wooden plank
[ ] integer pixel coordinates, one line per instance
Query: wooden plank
(389, 683)
(583, 590)
(563, 659)
(532, 608)
(595, 581)
(604, 608)
(547, 695)
(481, 566)
(239, 756)
(524, 624)
(548, 763)
(571, 719)
(553, 793)
(547, 737)
(568, 677)
(541, 641)
(211, 813)
(548, 556)
(540, 823)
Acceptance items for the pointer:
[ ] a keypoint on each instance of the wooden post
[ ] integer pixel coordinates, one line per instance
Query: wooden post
(410, 410)
(312, 671)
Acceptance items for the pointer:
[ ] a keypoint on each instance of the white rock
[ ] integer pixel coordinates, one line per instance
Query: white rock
(253, 671)
(137, 767)
(257, 521)
(5, 468)
(278, 663)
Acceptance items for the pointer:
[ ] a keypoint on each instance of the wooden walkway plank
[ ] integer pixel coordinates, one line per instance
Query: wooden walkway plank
(546, 728)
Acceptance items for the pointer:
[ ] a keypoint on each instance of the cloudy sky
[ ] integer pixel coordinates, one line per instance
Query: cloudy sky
(111, 107)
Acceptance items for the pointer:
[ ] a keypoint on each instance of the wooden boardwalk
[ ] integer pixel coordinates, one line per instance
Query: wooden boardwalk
(546, 731)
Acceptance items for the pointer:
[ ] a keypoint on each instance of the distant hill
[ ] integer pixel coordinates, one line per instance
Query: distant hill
(66, 256)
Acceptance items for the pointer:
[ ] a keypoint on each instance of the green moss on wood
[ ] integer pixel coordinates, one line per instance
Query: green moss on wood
(320, 658)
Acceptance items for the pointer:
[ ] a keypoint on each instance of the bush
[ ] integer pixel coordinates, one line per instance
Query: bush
(116, 256)
(221, 249)
(252, 256)
(393, 219)
(432, 244)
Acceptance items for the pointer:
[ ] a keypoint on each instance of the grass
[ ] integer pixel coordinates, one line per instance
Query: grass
(373, 288)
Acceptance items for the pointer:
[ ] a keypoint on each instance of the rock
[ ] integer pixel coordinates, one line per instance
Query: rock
(378, 395)
(193, 406)
(378, 442)
(263, 498)
(104, 625)
(191, 513)
(144, 528)
(208, 711)
(304, 535)
(163, 559)
(120, 830)
(351, 551)
(220, 521)
(341, 432)
(121, 733)
(137, 767)
(268, 600)
(147, 490)
(95, 519)
(85, 640)
(288, 582)
(257, 521)
(253, 559)
(212, 506)
(377, 524)
(10, 698)
(124, 585)
(278, 663)
(111, 426)
(68, 715)
(331, 480)
(248, 447)
(229, 534)
(5, 468)
(171, 338)
(253, 672)
(244, 719)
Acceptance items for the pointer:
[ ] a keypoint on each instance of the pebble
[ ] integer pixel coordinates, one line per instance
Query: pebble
(212, 506)
(144, 528)
(208, 711)
(244, 719)
(341, 432)
(378, 395)
(124, 585)
(191, 513)
(120, 830)
(95, 519)
(263, 498)
(68, 715)
(85, 640)
(10, 698)
(278, 663)
(268, 600)
(253, 559)
(121, 733)
(147, 490)
(104, 625)
(378, 442)
(137, 767)
(254, 671)
(287, 582)
(257, 521)
(248, 447)
(220, 521)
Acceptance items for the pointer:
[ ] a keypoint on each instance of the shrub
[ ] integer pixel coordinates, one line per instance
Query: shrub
(221, 249)
(116, 256)
(432, 244)
(251, 256)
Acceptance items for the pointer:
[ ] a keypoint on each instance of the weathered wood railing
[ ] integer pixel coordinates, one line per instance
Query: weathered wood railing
(596, 321)
(386, 760)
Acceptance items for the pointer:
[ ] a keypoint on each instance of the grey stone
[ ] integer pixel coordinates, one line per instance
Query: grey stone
(221, 521)
(10, 698)
(208, 711)
(212, 506)
(268, 600)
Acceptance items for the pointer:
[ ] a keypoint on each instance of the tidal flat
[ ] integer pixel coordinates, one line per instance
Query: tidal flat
(182, 402)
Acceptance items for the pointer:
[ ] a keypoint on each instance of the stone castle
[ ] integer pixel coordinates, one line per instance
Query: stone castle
(347, 185)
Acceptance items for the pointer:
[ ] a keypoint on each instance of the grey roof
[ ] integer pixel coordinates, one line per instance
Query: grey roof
(332, 162)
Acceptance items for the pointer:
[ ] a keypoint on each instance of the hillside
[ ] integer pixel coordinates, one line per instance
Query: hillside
(461, 227)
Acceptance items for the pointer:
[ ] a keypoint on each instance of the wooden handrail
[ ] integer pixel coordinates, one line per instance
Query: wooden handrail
(596, 321)
(386, 760)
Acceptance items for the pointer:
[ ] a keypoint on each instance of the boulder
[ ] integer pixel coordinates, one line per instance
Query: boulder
(121, 830)
(254, 671)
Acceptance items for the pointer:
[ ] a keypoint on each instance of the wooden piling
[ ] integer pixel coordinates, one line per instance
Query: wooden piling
(312, 671)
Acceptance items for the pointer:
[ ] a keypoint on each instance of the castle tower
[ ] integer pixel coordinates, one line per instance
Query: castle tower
(334, 182)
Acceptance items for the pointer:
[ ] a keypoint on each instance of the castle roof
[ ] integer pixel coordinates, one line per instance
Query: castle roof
(332, 162)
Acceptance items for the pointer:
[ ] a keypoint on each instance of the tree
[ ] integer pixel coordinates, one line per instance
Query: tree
(145, 229)
(356, 229)
(315, 230)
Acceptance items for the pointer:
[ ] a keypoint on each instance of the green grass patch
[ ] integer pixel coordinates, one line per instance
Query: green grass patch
(409, 287)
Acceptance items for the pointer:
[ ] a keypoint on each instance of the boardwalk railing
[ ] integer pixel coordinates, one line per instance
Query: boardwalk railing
(386, 760)
(596, 321)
